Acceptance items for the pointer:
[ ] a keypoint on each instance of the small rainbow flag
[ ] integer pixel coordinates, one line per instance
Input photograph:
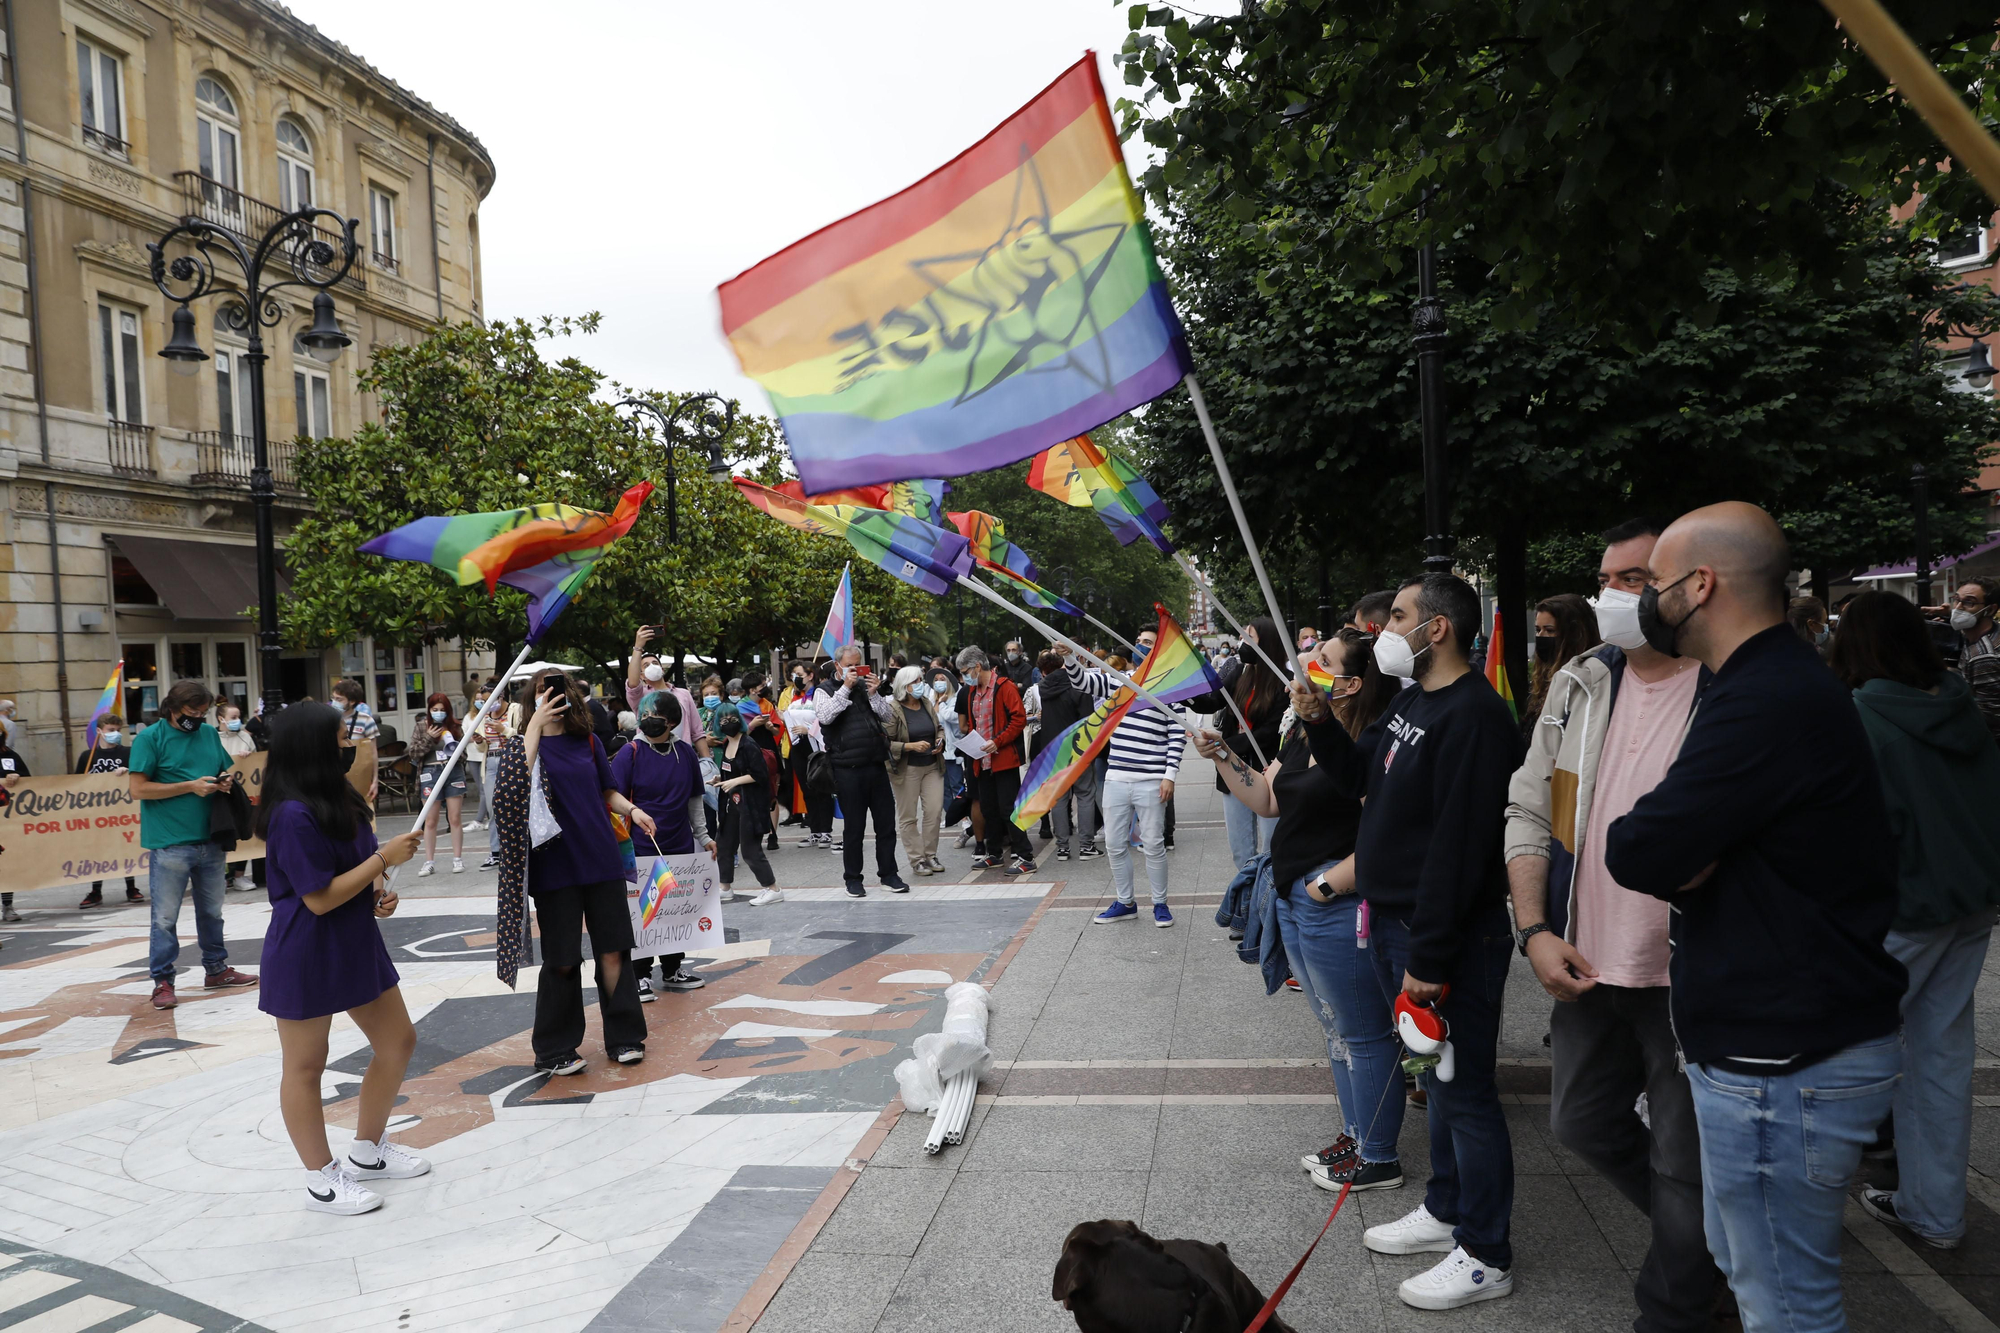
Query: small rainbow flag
(839, 629)
(1080, 474)
(1496, 662)
(1173, 671)
(1318, 674)
(653, 893)
(544, 550)
(1007, 300)
(991, 550)
(923, 498)
(107, 702)
(907, 548)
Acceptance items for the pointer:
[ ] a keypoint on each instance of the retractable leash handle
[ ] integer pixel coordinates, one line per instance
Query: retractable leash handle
(1428, 1036)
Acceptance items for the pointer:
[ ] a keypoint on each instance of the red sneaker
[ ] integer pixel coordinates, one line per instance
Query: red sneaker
(227, 978)
(163, 995)
(90, 901)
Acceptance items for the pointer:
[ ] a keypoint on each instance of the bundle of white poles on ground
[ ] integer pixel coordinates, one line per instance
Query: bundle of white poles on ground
(942, 1076)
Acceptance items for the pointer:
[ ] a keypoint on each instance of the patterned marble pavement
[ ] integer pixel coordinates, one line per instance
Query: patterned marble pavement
(147, 1148)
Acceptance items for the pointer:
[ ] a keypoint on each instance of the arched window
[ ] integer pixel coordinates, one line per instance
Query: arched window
(295, 172)
(218, 144)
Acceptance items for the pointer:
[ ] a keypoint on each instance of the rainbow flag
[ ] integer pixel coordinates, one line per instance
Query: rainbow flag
(1078, 473)
(1318, 674)
(908, 548)
(992, 551)
(653, 893)
(544, 550)
(840, 616)
(923, 498)
(1173, 671)
(1496, 662)
(1007, 300)
(107, 702)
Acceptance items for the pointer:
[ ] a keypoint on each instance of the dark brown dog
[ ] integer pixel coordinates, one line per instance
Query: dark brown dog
(1117, 1279)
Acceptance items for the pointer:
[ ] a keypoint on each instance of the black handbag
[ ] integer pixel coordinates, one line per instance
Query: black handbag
(819, 773)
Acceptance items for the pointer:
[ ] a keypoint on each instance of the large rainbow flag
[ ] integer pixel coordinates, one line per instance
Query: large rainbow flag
(912, 550)
(1078, 473)
(107, 702)
(1173, 671)
(991, 550)
(1497, 674)
(1008, 300)
(544, 550)
(922, 499)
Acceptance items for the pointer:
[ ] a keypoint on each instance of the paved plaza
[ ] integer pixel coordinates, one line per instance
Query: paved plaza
(756, 1170)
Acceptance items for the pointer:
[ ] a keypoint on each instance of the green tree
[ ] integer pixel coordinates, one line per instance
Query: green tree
(474, 419)
(1595, 159)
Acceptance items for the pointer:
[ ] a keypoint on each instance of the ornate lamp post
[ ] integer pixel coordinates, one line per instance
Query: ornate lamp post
(700, 421)
(301, 258)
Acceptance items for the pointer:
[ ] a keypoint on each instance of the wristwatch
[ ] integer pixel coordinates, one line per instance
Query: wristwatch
(1526, 933)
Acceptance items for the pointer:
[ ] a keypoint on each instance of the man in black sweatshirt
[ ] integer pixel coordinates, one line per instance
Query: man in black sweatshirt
(1434, 770)
(1785, 1003)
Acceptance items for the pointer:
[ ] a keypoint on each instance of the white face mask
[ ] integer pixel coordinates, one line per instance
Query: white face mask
(437, 714)
(654, 674)
(1962, 619)
(1394, 655)
(1618, 618)
(109, 737)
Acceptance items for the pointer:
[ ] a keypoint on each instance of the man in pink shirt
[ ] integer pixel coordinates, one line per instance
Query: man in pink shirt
(645, 674)
(1608, 731)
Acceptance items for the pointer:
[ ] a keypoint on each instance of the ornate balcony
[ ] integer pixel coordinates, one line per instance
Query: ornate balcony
(131, 449)
(224, 460)
(249, 218)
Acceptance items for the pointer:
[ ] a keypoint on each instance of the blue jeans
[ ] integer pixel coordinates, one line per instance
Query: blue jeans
(1934, 1101)
(1121, 799)
(173, 869)
(1249, 833)
(1338, 979)
(1472, 1156)
(1777, 1155)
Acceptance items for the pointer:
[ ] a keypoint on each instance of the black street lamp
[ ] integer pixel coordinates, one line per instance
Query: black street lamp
(1920, 496)
(699, 421)
(306, 260)
(1428, 335)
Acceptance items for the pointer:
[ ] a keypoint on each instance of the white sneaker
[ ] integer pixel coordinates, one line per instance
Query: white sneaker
(767, 897)
(332, 1190)
(384, 1161)
(1413, 1233)
(430, 868)
(475, 825)
(1458, 1280)
(457, 865)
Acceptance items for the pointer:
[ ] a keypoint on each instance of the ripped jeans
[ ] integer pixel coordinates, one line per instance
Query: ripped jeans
(1339, 981)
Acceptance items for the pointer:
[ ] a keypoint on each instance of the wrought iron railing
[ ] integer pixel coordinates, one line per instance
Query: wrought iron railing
(224, 460)
(131, 448)
(106, 140)
(216, 203)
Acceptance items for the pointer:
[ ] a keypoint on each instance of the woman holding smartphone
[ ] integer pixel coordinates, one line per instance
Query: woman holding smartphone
(577, 880)
(436, 737)
(323, 955)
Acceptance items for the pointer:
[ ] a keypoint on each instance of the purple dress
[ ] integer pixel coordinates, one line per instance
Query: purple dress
(317, 965)
(660, 783)
(575, 776)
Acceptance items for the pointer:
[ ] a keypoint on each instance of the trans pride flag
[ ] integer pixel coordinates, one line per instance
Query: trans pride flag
(544, 550)
(1173, 671)
(1078, 473)
(1006, 301)
(839, 629)
(991, 550)
(931, 558)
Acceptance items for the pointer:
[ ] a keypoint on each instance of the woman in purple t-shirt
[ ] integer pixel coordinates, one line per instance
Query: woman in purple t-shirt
(577, 878)
(323, 954)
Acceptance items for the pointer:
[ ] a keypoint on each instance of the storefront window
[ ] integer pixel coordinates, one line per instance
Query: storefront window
(188, 661)
(142, 683)
(232, 672)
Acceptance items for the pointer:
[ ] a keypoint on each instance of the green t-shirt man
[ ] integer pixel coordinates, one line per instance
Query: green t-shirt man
(165, 753)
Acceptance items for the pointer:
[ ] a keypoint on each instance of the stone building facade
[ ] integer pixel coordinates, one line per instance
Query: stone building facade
(118, 118)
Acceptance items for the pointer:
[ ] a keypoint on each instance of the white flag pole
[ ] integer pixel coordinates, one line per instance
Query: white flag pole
(1188, 568)
(1236, 508)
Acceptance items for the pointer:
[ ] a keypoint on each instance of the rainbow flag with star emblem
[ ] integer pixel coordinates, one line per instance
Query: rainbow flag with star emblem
(653, 893)
(1008, 300)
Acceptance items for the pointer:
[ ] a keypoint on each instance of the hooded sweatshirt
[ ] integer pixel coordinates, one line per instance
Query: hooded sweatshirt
(1941, 781)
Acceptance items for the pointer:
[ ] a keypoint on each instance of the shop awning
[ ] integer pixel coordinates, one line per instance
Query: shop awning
(198, 580)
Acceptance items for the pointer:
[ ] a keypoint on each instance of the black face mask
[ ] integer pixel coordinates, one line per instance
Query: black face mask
(188, 723)
(1546, 647)
(1660, 636)
(732, 725)
(654, 727)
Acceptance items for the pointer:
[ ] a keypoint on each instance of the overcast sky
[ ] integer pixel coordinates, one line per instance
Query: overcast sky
(648, 151)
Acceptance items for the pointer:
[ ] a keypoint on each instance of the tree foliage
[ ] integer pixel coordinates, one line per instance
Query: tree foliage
(476, 419)
(1598, 158)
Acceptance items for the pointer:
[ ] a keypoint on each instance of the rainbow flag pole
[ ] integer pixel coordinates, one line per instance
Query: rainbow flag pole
(1236, 508)
(1056, 636)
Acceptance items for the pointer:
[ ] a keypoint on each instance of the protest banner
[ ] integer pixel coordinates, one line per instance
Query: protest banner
(70, 830)
(676, 906)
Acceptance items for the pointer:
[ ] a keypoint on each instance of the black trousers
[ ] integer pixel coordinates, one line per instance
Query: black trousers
(996, 797)
(819, 805)
(865, 794)
(1607, 1047)
(563, 915)
(743, 828)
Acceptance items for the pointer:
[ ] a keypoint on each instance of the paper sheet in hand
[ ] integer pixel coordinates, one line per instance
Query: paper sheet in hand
(974, 746)
(686, 912)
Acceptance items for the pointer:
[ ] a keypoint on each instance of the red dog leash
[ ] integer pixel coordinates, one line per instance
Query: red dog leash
(1271, 1305)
